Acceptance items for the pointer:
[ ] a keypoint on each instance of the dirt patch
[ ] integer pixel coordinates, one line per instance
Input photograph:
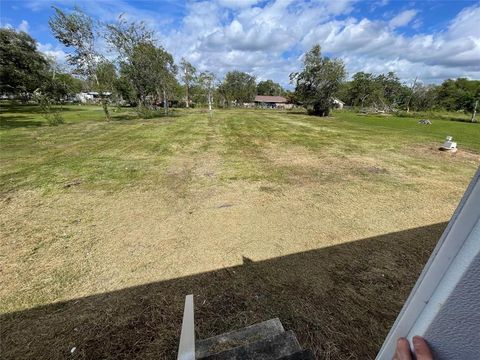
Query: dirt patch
(376, 170)
(301, 166)
(270, 189)
(75, 182)
(433, 150)
(292, 155)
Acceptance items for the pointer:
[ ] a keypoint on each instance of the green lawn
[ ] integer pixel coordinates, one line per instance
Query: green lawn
(122, 152)
(322, 222)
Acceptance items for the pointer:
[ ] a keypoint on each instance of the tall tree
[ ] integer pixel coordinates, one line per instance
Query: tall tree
(411, 93)
(390, 89)
(143, 65)
(362, 89)
(424, 98)
(188, 72)
(238, 87)
(383, 91)
(318, 82)
(207, 84)
(165, 70)
(60, 85)
(152, 72)
(22, 67)
(459, 94)
(268, 87)
(124, 36)
(76, 30)
(125, 89)
(107, 76)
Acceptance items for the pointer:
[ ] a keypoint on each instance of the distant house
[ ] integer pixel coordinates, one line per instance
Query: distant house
(338, 103)
(275, 102)
(84, 97)
(90, 97)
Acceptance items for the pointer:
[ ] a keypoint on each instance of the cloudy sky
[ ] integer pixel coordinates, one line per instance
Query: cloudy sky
(433, 40)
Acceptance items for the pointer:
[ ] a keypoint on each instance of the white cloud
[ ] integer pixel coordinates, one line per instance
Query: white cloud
(266, 38)
(248, 38)
(254, 39)
(23, 26)
(455, 51)
(402, 19)
(55, 52)
(237, 4)
(405, 69)
(466, 23)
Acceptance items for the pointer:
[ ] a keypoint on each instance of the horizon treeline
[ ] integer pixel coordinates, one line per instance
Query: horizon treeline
(139, 72)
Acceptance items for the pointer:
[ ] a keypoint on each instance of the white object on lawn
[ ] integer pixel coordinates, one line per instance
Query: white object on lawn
(425, 122)
(449, 144)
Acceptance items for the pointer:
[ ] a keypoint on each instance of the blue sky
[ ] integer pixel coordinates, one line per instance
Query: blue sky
(431, 40)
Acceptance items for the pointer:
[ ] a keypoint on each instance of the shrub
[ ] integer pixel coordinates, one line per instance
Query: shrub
(54, 118)
(149, 113)
(49, 113)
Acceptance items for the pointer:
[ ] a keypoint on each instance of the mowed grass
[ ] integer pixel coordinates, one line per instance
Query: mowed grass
(86, 148)
(324, 223)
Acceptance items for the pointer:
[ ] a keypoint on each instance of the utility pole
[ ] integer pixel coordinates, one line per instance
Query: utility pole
(186, 86)
(412, 92)
(474, 114)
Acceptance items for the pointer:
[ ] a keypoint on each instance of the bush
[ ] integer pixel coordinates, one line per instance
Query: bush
(54, 118)
(149, 113)
(49, 113)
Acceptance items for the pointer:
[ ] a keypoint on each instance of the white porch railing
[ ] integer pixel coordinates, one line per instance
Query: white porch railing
(186, 349)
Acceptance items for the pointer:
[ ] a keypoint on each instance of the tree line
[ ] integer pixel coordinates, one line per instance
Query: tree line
(142, 73)
(386, 92)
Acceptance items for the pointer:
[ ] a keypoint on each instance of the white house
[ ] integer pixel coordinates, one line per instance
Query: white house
(338, 103)
(84, 97)
(90, 96)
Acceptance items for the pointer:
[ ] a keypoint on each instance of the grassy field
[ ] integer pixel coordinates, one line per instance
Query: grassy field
(324, 223)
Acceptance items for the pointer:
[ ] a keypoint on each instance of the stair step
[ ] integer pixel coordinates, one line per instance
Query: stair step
(271, 348)
(238, 338)
(300, 355)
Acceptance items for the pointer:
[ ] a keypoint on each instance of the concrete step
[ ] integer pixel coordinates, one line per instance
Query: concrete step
(300, 355)
(236, 338)
(271, 348)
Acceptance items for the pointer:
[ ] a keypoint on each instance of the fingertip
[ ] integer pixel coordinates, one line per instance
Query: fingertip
(422, 350)
(403, 349)
(417, 339)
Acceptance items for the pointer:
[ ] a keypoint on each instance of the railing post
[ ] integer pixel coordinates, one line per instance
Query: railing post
(186, 349)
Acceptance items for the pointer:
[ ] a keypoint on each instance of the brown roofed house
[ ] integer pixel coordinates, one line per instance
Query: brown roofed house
(272, 102)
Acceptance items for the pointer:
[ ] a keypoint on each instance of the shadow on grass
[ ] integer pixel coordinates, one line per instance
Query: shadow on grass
(35, 109)
(17, 121)
(124, 117)
(298, 112)
(340, 301)
(461, 120)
